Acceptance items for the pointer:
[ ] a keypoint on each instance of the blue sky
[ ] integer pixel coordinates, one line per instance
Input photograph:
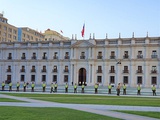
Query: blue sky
(100, 16)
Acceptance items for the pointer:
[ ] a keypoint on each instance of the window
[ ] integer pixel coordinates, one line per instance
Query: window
(125, 54)
(55, 56)
(67, 55)
(55, 68)
(10, 56)
(15, 32)
(139, 80)
(34, 56)
(32, 78)
(44, 69)
(99, 55)
(54, 78)
(14, 37)
(139, 69)
(23, 56)
(154, 81)
(43, 78)
(5, 28)
(9, 69)
(99, 79)
(125, 79)
(9, 36)
(112, 79)
(154, 69)
(139, 54)
(10, 30)
(33, 69)
(125, 69)
(24, 35)
(82, 55)
(112, 69)
(65, 78)
(22, 78)
(66, 69)
(154, 54)
(112, 55)
(99, 69)
(9, 79)
(23, 69)
(44, 55)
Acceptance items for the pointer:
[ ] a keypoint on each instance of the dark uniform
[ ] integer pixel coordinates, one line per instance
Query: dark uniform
(55, 87)
(118, 89)
(3, 85)
(52, 86)
(18, 86)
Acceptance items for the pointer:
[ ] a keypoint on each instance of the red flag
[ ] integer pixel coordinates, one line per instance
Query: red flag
(83, 30)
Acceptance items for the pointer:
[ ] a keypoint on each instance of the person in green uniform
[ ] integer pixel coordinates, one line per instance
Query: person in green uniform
(10, 86)
(18, 86)
(154, 90)
(139, 90)
(3, 85)
(96, 88)
(124, 89)
(52, 86)
(83, 87)
(75, 88)
(109, 88)
(44, 86)
(24, 87)
(66, 88)
(55, 87)
(32, 85)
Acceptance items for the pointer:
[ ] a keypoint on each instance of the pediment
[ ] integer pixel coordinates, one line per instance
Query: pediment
(82, 43)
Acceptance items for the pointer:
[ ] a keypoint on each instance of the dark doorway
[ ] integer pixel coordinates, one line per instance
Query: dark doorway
(82, 76)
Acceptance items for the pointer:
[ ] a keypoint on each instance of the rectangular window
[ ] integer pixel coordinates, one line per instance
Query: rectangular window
(33, 78)
(23, 69)
(66, 69)
(154, 81)
(125, 55)
(22, 78)
(55, 55)
(139, 80)
(99, 55)
(125, 79)
(43, 78)
(139, 54)
(54, 78)
(99, 79)
(55, 68)
(112, 81)
(65, 78)
(44, 69)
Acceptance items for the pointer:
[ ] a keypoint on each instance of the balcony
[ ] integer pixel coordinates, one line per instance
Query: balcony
(139, 71)
(112, 57)
(34, 57)
(10, 58)
(44, 57)
(153, 56)
(125, 71)
(55, 57)
(139, 56)
(8, 70)
(154, 71)
(43, 70)
(82, 57)
(22, 70)
(66, 57)
(126, 56)
(66, 71)
(112, 71)
(23, 58)
(33, 70)
(54, 70)
(99, 71)
(99, 57)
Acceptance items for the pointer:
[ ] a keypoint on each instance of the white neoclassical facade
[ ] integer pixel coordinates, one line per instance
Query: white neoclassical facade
(123, 60)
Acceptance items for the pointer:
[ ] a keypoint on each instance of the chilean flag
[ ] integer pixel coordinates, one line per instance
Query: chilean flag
(82, 32)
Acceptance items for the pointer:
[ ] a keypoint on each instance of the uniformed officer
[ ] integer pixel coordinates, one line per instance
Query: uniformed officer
(52, 86)
(55, 87)
(10, 86)
(66, 88)
(109, 88)
(18, 86)
(83, 87)
(24, 87)
(3, 85)
(32, 85)
(44, 86)
(154, 90)
(75, 88)
(139, 90)
(96, 88)
(124, 89)
(118, 89)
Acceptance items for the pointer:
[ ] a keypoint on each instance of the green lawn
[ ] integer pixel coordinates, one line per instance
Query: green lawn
(93, 99)
(28, 113)
(147, 114)
(9, 100)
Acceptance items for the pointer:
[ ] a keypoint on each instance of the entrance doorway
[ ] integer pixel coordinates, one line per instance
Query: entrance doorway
(82, 76)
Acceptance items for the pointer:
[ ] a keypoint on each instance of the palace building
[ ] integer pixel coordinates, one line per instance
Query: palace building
(122, 60)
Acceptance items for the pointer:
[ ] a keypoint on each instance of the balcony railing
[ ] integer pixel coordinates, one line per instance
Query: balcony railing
(99, 57)
(112, 57)
(66, 57)
(33, 70)
(22, 70)
(55, 57)
(66, 71)
(140, 56)
(82, 57)
(8, 70)
(54, 70)
(44, 57)
(23, 58)
(139, 71)
(99, 71)
(9, 58)
(154, 71)
(112, 71)
(43, 70)
(153, 56)
(34, 57)
(125, 71)
(126, 56)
